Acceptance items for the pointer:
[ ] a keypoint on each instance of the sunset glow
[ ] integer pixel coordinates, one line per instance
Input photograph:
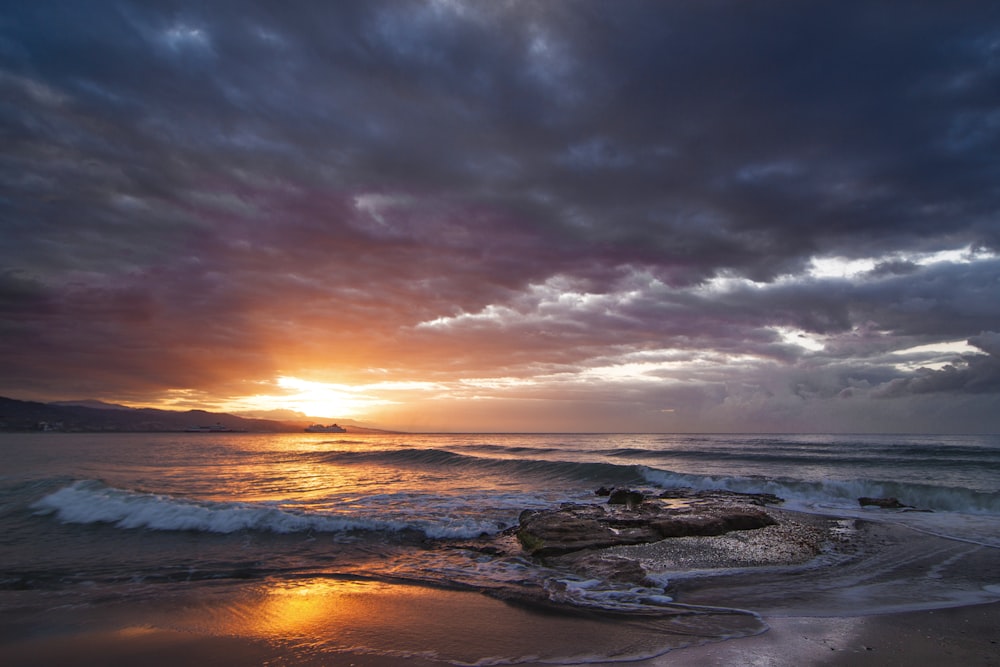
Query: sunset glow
(320, 399)
(527, 216)
(421, 332)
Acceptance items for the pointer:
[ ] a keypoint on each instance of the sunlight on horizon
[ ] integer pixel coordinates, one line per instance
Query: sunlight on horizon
(316, 399)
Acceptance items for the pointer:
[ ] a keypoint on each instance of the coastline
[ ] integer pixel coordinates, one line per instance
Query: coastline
(968, 635)
(807, 589)
(960, 635)
(324, 620)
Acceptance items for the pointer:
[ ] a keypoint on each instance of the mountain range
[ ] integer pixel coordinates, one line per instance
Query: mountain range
(84, 416)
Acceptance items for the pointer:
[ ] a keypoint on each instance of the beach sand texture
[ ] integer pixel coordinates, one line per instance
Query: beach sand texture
(966, 636)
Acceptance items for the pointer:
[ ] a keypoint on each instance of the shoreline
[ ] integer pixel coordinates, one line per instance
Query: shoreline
(967, 635)
(368, 622)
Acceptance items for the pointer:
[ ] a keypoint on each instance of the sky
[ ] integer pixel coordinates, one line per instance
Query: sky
(665, 216)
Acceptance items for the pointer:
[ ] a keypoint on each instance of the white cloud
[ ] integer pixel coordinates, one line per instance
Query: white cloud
(181, 37)
(801, 338)
(840, 267)
(852, 268)
(944, 347)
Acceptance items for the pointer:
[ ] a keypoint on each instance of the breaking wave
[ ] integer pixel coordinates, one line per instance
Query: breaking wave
(846, 492)
(592, 474)
(441, 513)
(90, 501)
(583, 472)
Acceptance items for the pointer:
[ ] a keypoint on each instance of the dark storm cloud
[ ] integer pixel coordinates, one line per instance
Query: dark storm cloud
(935, 302)
(196, 188)
(972, 373)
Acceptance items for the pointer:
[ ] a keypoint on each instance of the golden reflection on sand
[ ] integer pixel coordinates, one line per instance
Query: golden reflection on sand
(326, 617)
(344, 615)
(315, 606)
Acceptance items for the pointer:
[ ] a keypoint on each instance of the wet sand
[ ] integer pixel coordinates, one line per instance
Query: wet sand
(956, 636)
(324, 622)
(964, 636)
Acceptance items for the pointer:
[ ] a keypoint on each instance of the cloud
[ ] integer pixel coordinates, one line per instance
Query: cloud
(747, 207)
(973, 373)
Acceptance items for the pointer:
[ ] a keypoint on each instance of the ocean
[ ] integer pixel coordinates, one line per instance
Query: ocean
(353, 545)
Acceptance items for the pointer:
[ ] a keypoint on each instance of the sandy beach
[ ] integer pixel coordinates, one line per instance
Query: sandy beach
(956, 636)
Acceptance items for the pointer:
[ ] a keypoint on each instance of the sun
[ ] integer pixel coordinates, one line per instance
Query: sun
(321, 399)
(314, 399)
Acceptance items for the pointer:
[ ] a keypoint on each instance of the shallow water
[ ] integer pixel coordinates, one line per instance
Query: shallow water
(242, 522)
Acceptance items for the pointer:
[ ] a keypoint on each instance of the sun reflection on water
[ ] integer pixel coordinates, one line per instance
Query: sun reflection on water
(316, 606)
(336, 614)
(318, 618)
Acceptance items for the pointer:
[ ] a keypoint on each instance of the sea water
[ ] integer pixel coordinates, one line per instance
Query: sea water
(91, 522)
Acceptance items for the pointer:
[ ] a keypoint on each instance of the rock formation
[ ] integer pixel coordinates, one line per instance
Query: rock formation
(630, 517)
(884, 503)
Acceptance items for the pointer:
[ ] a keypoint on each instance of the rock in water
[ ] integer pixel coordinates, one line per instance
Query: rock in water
(576, 527)
(627, 497)
(884, 503)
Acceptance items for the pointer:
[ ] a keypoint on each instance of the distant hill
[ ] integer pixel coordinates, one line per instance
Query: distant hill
(72, 416)
(90, 416)
(91, 403)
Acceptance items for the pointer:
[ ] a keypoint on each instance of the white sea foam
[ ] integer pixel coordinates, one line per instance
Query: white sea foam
(89, 501)
(605, 595)
(963, 514)
(845, 492)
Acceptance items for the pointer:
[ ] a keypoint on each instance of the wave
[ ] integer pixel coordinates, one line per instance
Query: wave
(519, 449)
(913, 457)
(638, 466)
(839, 492)
(91, 501)
(634, 468)
(588, 472)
